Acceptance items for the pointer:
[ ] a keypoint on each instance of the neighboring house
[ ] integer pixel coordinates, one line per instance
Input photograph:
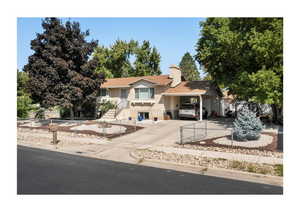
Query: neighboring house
(158, 96)
(230, 103)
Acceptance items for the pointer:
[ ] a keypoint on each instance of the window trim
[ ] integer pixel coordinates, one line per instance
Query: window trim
(101, 90)
(150, 91)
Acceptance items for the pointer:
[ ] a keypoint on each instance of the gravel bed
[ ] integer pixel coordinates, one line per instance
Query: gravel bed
(95, 127)
(114, 131)
(264, 140)
(207, 162)
(269, 150)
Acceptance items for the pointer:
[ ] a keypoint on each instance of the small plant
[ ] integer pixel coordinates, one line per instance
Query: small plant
(251, 168)
(247, 126)
(106, 105)
(237, 164)
(40, 113)
(279, 169)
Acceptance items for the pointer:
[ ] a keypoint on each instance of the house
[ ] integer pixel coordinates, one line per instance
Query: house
(158, 96)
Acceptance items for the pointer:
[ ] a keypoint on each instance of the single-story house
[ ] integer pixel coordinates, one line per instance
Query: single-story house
(158, 96)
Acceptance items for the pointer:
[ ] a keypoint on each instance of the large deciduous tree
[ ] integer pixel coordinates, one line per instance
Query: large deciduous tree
(246, 56)
(188, 67)
(116, 61)
(60, 70)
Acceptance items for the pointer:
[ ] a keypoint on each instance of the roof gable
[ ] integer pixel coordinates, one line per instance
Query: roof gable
(128, 81)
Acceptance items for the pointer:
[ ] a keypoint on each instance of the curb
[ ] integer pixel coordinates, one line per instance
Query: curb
(133, 155)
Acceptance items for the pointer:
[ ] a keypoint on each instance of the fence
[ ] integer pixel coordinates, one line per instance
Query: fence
(202, 130)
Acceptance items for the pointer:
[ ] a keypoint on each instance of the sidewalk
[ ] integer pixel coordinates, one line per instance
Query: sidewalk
(214, 154)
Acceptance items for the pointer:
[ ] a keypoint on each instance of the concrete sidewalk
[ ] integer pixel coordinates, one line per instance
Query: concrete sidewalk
(214, 154)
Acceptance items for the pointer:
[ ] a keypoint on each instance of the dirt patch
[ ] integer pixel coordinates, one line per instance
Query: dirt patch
(61, 128)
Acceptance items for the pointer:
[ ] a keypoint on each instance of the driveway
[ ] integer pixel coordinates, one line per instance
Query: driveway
(48, 172)
(167, 132)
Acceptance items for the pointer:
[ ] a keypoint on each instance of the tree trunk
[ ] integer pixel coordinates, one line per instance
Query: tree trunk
(275, 114)
(235, 108)
(72, 113)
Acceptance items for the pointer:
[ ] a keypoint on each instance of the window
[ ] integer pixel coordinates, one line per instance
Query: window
(103, 91)
(144, 93)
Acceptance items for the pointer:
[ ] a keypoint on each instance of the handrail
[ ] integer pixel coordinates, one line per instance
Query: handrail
(118, 108)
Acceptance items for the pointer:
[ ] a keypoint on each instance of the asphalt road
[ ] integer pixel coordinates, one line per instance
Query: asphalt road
(48, 172)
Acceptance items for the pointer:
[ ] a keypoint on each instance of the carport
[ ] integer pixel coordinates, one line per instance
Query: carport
(178, 95)
(209, 96)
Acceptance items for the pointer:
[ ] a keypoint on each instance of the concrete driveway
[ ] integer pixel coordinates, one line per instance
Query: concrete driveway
(161, 133)
(167, 132)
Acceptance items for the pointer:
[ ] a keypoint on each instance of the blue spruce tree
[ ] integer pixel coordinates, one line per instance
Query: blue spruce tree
(247, 126)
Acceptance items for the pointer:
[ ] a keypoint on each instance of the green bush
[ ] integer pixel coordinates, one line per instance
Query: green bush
(40, 113)
(106, 105)
(279, 169)
(64, 112)
(23, 106)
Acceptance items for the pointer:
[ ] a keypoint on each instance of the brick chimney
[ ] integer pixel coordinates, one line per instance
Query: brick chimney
(175, 74)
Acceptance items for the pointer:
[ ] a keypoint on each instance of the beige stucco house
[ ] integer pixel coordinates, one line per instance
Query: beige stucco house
(158, 96)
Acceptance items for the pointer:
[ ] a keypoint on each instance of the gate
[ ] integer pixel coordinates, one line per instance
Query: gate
(193, 132)
(200, 130)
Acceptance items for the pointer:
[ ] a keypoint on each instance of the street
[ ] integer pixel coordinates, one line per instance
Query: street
(47, 172)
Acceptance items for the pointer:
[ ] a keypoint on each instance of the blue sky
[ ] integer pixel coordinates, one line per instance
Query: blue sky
(171, 36)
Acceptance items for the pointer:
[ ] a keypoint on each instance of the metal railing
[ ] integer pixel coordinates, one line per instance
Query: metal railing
(199, 131)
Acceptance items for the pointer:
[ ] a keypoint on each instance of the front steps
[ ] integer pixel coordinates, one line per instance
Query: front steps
(109, 115)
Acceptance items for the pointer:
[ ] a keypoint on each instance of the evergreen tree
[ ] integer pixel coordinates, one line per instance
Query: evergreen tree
(147, 60)
(247, 126)
(188, 67)
(60, 71)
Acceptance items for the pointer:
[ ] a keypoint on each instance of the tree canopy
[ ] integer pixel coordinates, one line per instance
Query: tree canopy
(60, 70)
(115, 61)
(188, 67)
(245, 55)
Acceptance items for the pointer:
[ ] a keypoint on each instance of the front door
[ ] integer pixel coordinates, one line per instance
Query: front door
(124, 96)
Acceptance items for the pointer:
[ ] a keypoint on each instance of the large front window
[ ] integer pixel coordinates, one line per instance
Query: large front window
(144, 93)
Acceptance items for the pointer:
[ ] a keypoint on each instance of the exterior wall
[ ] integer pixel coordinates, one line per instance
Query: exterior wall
(160, 105)
(175, 74)
(155, 109)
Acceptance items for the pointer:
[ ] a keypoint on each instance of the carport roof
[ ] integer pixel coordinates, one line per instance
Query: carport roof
(190, 88)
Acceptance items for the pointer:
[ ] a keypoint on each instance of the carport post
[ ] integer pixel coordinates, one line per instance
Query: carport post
(200, 105)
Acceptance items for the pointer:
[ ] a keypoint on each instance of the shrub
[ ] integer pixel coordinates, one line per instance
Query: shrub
(64, 112)
(106, 105)
(247, 126)
(23, 106)
(279, 169)
(40, 113)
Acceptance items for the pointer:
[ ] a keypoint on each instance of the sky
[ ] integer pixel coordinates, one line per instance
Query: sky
(173, 37)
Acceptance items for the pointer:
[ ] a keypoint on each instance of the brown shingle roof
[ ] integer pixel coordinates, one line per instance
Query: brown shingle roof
(125, 82)
(192, 87)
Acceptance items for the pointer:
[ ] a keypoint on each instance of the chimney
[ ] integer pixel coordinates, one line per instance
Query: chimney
(175, 74)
